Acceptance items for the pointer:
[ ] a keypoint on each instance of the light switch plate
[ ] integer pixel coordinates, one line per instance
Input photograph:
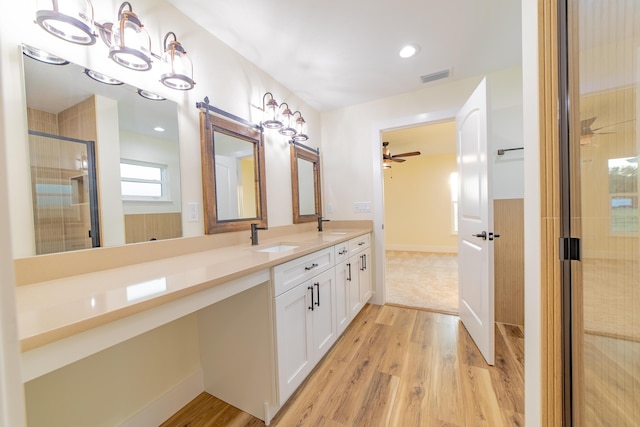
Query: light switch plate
(192, 212)
(362, 207)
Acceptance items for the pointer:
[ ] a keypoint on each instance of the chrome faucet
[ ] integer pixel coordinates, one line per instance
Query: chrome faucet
(320, 221)
(254, 233)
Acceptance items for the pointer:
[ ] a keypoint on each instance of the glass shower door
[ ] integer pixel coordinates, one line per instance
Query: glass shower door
(604, 78)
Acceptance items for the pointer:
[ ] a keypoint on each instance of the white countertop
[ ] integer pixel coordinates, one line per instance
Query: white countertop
(56, 309)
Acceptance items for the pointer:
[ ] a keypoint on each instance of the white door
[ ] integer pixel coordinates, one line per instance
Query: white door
(227, 187)
(475, 222)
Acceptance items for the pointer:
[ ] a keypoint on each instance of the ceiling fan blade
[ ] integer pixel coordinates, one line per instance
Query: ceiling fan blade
(585, 125)
(386, 156)
(394, 159)
(412, 153)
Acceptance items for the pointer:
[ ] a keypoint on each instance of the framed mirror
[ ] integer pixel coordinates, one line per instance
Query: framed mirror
(305, 183)
(123, 188)
(233, 175)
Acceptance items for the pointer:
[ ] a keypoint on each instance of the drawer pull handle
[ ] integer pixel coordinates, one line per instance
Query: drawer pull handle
(314, 265)
(361, 243)
(312, 303)
(349, 277)
(342, 252)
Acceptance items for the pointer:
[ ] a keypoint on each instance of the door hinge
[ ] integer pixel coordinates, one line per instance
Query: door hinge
(569, 249)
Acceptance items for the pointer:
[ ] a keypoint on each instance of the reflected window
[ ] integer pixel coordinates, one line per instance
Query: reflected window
(143, 181)
(623, 195)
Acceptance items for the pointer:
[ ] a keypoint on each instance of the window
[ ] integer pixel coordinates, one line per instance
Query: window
(623, 195)
(453, 185)
(143, 181)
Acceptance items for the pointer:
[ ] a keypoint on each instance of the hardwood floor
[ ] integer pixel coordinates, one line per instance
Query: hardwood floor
(396, 367)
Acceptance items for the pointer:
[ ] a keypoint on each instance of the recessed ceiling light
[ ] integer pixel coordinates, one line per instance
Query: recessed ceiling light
(158, 129)
(409, 50)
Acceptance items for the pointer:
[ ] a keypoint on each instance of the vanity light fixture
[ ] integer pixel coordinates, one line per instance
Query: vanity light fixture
(287, 129)
(178, 67)
(130, 42)
(42, 56)
(99, 77)
(271, 119)
(150, 95)
(70, 20)
(301, 128)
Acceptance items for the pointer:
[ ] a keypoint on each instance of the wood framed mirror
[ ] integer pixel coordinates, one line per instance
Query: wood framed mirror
(233, 174)
(305, 183)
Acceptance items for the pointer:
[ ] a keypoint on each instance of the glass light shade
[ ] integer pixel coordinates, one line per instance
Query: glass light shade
(131, 45)
(287, 128)
(70, 20)
(102, 78)
(42, 56)
(178, 69)
(150, 95)
(271, 117)
(301, 130)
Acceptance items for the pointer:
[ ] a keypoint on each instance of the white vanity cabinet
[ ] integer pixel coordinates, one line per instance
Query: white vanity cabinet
(358, 273)
(343, 287)
(305, 317)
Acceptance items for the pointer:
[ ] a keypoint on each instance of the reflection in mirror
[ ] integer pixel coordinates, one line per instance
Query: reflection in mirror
(65, 104)
(305, 182)
(232, 174)
(235, 177)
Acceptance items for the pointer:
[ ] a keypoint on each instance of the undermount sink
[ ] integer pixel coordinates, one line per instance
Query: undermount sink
(277, 248)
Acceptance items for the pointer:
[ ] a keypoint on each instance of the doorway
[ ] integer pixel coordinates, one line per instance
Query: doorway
(420, 201)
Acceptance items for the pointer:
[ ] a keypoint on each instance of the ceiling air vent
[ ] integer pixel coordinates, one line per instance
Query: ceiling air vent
(438, 75)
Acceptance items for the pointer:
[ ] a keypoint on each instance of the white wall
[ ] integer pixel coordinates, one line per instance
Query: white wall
(11, 392)
(348, 150)
(230, 81)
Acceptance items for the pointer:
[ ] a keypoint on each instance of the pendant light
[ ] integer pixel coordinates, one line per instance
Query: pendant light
(177, 65)
(287, 128)
(130, 44)
(70, 20)
(271, 119)
(42, 56)
(301, 128)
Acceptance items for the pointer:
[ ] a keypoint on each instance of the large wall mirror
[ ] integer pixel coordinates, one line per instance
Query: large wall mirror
(132, 139)
(305, 183)
(233, 175)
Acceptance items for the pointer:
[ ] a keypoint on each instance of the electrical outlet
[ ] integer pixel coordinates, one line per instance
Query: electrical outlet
(192, 212)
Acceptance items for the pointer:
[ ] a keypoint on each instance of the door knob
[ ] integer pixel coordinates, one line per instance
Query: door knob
(482, 235)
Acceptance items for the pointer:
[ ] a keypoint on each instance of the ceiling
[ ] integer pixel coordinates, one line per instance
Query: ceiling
(337, 53)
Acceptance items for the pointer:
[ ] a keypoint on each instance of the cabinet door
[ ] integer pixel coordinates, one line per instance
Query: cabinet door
(324, 314)
(294, 338)
(353, 281)
(364, 275)
(343, 312)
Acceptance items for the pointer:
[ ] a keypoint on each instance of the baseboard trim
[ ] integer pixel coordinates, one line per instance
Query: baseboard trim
(168, 404)
(422, 248)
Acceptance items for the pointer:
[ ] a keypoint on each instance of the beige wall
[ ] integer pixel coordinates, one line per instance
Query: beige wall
(417, 204)
(111, 386)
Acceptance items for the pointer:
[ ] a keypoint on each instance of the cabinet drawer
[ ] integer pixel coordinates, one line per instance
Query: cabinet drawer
(342, 251)
(358, 244)
(288, 275)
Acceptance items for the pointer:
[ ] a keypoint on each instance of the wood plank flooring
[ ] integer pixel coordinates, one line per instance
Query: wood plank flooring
(396, 366)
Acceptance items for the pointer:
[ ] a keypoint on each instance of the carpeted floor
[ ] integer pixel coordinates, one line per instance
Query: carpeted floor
(423, 280)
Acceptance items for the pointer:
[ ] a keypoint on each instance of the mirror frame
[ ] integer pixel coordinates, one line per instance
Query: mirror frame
(209, 124)
(314, 157)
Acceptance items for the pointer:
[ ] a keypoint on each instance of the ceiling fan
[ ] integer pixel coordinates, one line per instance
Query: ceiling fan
(388, 158)
(587, 132)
